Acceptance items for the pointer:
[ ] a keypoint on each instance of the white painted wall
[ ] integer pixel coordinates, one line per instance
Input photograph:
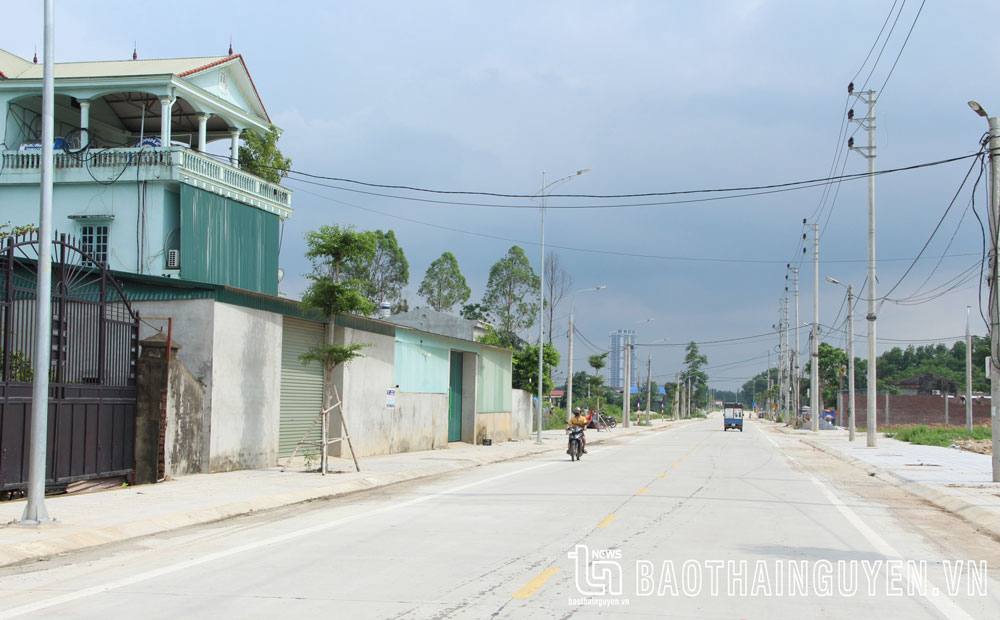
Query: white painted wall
(419, 421)
(246, 379)
(236, 353)
(521, 415)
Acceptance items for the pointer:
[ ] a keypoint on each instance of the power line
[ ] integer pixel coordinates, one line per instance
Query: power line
(590, 250)
(891, 69)
(933, 232)
(748, 191)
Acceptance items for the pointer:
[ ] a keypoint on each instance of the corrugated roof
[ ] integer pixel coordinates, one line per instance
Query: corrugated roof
(11, 65)
(18, 68)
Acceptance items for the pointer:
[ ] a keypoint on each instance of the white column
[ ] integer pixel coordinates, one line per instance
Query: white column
(234, 148)
(202, 131)
(84, 123)
(165, 122)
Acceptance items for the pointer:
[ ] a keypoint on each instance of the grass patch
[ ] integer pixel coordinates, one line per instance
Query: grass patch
(935, 435)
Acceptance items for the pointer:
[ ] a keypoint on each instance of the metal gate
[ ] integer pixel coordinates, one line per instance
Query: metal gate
(92, 392)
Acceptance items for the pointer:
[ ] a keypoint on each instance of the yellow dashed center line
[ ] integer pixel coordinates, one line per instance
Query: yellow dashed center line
(536, 582)
(661, 475)
(642, 491)
(607, 521)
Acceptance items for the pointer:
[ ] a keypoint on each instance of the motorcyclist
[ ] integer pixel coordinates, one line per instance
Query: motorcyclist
(580, 420)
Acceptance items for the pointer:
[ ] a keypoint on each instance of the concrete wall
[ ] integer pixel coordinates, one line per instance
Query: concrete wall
(362, 387)
(235, 353)
(521, 416)
(246, 384)
(186, 398)
(193, 329)
(916, 409)
(419, 422)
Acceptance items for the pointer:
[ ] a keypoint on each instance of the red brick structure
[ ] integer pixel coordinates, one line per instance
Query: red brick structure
(917, 409)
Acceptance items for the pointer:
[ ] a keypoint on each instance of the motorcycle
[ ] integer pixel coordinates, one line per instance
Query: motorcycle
(575, 443)
(609, 421)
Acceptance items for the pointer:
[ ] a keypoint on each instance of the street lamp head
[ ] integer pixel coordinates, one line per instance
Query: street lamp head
(978, 109)
(584, 171)
(600, 287)
(832, 280)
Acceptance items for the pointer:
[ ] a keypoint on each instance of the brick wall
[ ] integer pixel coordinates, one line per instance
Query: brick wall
(917, 409)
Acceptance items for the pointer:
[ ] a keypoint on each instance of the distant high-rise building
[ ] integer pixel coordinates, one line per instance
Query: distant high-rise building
(616, 360)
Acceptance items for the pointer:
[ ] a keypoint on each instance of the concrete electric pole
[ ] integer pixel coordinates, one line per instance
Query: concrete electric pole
(994, 279)
(569, 361)
(968, 373)
(626, 385)
(815, 402)
(868, 152)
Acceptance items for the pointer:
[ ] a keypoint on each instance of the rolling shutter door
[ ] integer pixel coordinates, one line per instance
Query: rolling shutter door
(301, 386)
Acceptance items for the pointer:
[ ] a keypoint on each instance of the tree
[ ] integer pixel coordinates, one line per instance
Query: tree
(474, 312)
(383, 273)
(597, 362)
(444, 285)
(260, 155)
(524, 374)
(694, 361)
(557, 284)
(333, 291)
(512, 283)
(581, 385)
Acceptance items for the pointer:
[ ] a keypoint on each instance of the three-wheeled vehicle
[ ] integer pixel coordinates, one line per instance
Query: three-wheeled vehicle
(732, 415)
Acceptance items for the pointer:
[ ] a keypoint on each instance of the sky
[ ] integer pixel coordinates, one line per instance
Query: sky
(650, 96)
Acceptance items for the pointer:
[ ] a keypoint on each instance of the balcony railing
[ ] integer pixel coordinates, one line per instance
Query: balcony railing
(175, 163)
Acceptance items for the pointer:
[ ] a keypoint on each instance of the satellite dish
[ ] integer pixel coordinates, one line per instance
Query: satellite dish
(281, 274)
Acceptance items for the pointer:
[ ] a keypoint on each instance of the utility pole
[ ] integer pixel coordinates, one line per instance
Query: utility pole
(796, 369)
(780, 400)
(968, 373)
(649, 379)
(767, 401)
(868, 152)
(569, 361)
(850, 357)
(994, 279)
(786, 362)
(677, 395)
(627, 384)
(815, 403)
(34, 509)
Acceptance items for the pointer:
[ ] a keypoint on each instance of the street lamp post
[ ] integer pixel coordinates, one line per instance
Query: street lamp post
(541, 296)
(569, 363)
(995, 278)
(850, 354)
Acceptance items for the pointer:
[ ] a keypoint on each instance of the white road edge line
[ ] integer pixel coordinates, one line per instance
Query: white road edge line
(173, 568)
(943, 604)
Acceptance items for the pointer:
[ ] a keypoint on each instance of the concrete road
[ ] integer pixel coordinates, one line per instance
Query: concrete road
(691, 522)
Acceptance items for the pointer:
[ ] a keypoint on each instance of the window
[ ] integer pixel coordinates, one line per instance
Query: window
(94, 242)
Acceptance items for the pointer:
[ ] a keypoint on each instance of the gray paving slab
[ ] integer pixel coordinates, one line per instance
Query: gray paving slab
(955, 480)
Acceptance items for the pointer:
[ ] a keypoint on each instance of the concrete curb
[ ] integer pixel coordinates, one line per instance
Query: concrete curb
(982, 518)
(47, 546)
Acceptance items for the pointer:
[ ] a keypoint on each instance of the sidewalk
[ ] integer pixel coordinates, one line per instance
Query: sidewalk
(91, 519)
(954, 480)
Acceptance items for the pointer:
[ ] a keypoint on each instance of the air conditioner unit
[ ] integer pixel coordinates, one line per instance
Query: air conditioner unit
(173, 259)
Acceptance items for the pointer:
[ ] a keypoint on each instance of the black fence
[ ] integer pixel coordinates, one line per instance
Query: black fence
(92, 368)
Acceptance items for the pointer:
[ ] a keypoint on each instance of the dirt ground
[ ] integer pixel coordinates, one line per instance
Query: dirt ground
(979, 446)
